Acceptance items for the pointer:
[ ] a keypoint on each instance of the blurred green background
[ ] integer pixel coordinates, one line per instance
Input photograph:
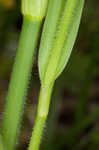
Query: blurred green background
(73, 122)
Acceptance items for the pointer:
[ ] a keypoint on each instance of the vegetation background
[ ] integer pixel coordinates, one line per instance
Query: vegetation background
(73, 121)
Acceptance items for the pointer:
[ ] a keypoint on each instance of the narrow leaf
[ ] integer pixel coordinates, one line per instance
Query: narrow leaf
(49, 34)
(54, 55)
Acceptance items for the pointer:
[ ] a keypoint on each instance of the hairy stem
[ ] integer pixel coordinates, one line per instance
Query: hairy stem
(43, 108)
(19, 81)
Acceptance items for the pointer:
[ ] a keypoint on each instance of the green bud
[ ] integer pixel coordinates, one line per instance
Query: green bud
(34, 8)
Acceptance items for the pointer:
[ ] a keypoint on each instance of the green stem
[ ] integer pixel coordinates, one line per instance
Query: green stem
(54, 114)
(43, 109)
(19, 81)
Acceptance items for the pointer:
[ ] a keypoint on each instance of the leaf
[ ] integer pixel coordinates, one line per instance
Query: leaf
(49, 34)
(70, 39)
(53, 60)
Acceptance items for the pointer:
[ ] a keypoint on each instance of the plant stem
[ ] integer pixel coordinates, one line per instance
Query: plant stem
(43, 108)
(19, 81)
